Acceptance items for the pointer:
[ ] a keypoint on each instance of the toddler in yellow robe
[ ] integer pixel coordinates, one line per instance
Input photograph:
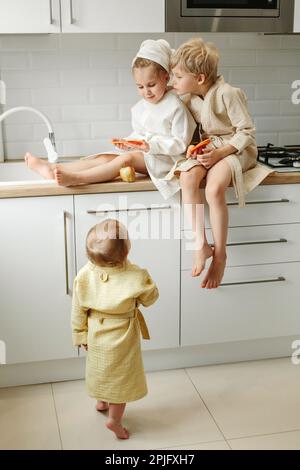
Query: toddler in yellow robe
(107, 322)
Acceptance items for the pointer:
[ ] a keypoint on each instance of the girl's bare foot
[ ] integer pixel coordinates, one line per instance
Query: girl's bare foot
(40, 166)
(200, 258)
(215, 273)
(64, 178)
(118, 429)
(102, 405)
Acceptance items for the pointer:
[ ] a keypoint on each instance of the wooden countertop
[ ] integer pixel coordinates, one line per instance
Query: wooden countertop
(142, 183)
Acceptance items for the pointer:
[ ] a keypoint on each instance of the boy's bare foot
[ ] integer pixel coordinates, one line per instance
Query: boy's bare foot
(40, 166)
(215, 273)
(118, 429)
(102, 405)
(200, 258)
(64, 178)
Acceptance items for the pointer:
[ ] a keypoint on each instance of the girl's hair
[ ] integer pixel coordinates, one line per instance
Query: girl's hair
(198, 57)
(107, 243)
(140, 63)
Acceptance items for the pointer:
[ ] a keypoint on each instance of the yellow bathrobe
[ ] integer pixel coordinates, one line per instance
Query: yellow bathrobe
(105, 316)
(224, 118)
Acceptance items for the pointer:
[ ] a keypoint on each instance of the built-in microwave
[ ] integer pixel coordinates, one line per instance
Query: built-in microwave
(269, 16)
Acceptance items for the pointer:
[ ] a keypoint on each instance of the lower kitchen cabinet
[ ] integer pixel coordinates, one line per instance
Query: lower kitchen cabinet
(37, 267)
(253, 302)
(158, 251)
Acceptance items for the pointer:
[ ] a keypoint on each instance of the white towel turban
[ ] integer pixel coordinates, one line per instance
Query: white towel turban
(158, 51)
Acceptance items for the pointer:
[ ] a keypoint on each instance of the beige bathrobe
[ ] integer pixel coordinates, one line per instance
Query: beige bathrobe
(224, 118)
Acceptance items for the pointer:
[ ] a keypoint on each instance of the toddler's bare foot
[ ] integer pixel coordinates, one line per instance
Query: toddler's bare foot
(200, 258)
(102, 405)
(118, 429)
(64, 178)
(40, 166)
(215, 273)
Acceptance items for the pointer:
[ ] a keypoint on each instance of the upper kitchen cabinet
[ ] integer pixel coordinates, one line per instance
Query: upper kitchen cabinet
(30, 16)
(118, 16)
(297, 17)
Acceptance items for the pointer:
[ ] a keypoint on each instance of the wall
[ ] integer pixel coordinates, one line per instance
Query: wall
(83, 83)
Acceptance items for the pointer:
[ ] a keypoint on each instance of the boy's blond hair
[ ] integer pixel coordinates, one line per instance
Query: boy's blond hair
(107, 243)
(198, 57)
(140, 63)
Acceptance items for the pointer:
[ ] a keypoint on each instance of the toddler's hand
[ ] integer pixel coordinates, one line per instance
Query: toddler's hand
(85, 346)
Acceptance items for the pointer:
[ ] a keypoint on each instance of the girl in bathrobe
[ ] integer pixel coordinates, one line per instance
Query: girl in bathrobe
(222, 113)
(160, 120)
(107, 322)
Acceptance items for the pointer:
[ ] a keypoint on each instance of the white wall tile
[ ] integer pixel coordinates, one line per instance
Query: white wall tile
(90, 77)
(59, 96)
(30, 78)
(90, 113)
(111, 129)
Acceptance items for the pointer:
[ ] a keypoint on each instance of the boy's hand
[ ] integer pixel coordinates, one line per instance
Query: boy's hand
(85, 346)
(210, 157)
(189, 152)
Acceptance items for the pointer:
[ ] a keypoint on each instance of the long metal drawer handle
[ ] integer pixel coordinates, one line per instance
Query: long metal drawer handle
(256, 242)
(72, 21)
(128, 210)
(65, 215)
(51, 11)
(262, 281)
(271, 201)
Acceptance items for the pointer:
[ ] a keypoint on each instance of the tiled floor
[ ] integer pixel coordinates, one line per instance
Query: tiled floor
(249, 405)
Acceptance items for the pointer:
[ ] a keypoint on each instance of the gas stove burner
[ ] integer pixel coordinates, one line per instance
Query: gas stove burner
(280, 158)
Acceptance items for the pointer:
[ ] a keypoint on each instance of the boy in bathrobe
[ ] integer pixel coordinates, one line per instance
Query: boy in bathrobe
(222, 113)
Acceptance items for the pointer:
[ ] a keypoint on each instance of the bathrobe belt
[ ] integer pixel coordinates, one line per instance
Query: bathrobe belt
(136, 314)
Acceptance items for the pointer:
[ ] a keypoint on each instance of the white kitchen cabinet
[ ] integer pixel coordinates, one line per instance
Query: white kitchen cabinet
(259, 244)
(148, 218)
(253, 302)
(29, 16)
(274, 204)
(37, 270)
(118, 16)
(297, 17)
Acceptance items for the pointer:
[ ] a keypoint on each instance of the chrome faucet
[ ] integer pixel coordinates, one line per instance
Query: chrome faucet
(49, 141)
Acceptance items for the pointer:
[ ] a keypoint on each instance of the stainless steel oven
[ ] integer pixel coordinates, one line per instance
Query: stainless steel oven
(269, 16)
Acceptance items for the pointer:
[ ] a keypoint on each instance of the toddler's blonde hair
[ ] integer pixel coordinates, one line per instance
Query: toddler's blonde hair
(106, 243)
(198, 57)
(140, 63)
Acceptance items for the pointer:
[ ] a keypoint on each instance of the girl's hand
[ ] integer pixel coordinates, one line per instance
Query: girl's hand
(210, 157)
(144, 147)
(85, 346)
(121, 146)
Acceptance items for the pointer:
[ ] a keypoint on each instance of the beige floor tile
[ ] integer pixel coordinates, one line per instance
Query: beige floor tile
(249, 398)
(171, 414)
(28, 419)
(282, 441)
(219, 445)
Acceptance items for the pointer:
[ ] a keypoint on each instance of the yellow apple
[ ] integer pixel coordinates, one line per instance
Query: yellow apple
(127, 174)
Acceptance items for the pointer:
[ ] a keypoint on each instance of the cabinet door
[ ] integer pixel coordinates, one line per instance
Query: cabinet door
(253, 302)
(30, 16)
(118, 16)
(297, 17)
(152, 249)
(37, 265)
